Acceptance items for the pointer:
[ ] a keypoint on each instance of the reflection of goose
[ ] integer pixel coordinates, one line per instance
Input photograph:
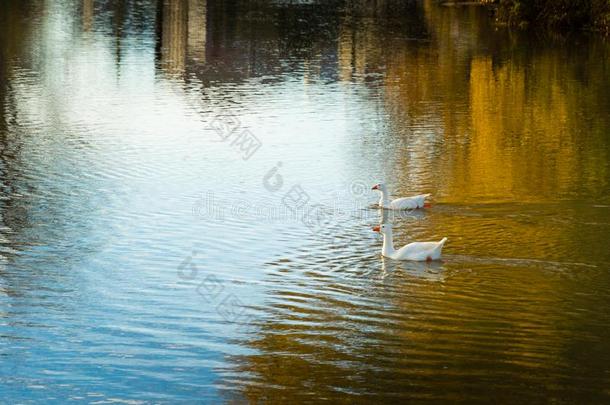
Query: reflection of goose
(418, 251)
(390, 216)
(433, 270)
(405, 203)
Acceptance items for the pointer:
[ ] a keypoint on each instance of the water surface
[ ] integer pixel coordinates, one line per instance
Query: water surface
(148, 254)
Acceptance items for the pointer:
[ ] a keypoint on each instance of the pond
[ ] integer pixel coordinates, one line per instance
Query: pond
(186, 204)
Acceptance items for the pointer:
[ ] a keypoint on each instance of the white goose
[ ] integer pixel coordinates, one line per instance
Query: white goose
(417, 251)
(405, 203)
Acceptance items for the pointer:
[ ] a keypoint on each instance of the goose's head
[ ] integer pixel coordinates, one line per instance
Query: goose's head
(379, 187)
(383, 228)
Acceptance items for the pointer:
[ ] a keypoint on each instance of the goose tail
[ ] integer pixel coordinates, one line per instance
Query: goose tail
(440, 245)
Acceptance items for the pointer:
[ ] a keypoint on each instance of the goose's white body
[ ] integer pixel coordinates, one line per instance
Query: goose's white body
(404, 203)
(416, 251)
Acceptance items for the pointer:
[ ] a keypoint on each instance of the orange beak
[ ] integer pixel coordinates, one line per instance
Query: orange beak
(375, 187)
(376, 228)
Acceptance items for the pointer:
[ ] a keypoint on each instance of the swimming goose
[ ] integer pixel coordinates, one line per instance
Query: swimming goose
(405, 203)
(417, 251)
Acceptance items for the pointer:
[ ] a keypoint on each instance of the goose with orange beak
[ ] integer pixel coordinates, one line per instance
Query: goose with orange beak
(415, 251)
(405, 203)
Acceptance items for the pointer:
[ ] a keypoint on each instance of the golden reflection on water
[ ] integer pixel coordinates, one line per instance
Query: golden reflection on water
(175, 33)
(520, 127)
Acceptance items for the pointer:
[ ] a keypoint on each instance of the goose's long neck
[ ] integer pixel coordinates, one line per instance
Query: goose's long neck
(388, 243)
(384, 200)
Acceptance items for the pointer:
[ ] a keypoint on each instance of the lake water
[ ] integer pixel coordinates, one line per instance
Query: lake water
(186, 211)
